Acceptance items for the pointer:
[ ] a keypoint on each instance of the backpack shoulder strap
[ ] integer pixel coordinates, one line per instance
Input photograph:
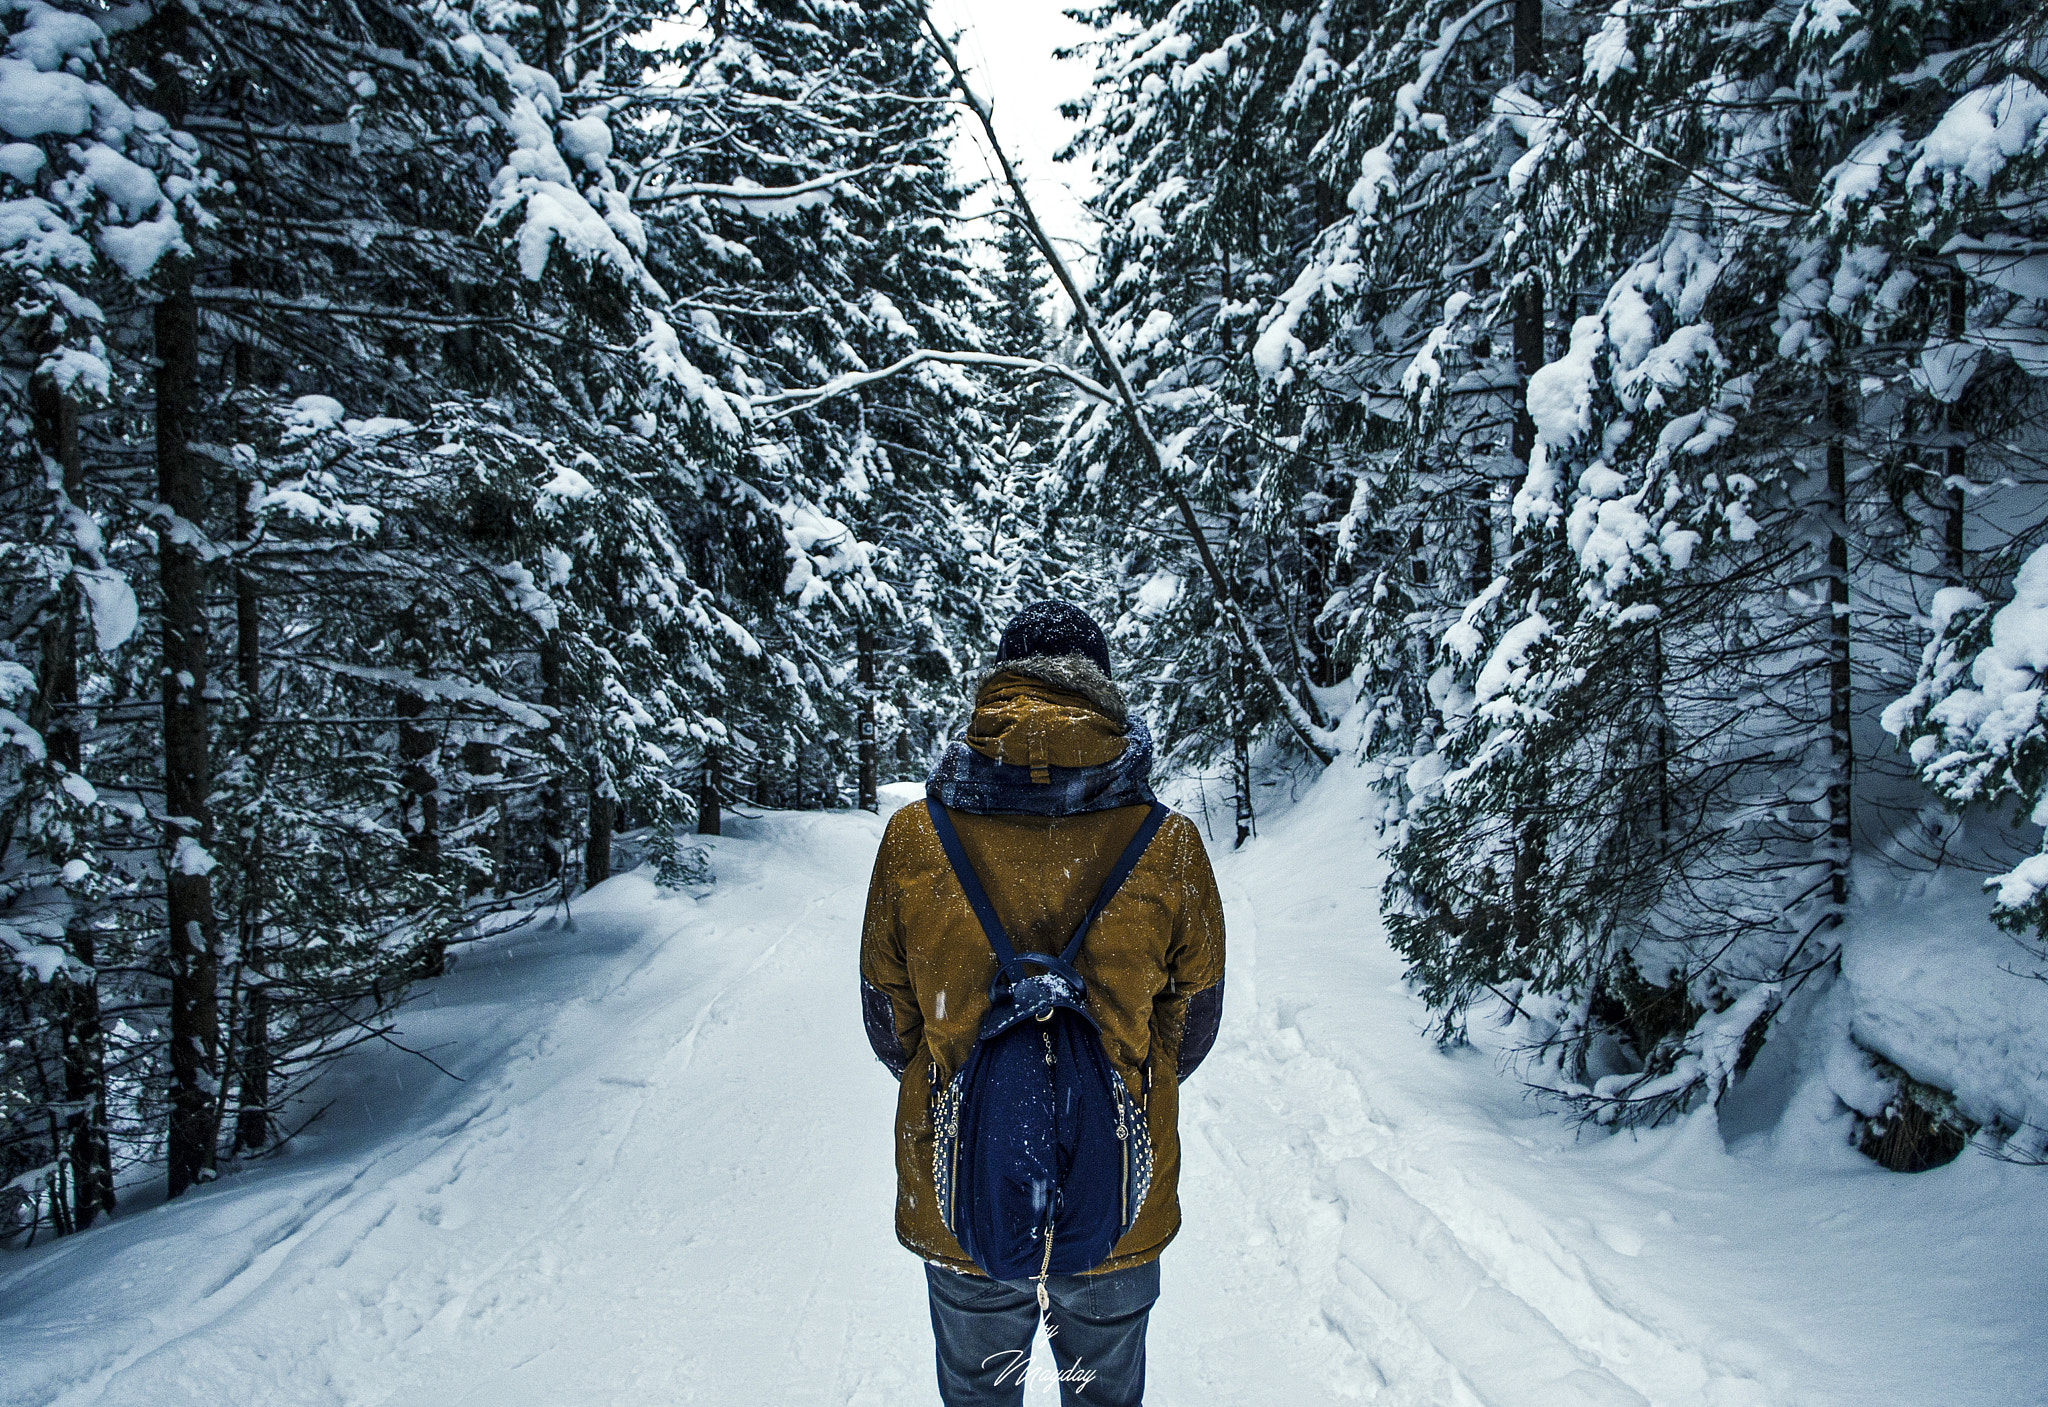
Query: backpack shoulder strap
(1125, 863)
(970, 885)
(1007, 957)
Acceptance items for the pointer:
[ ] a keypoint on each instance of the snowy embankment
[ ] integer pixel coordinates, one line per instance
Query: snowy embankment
(667, 1179)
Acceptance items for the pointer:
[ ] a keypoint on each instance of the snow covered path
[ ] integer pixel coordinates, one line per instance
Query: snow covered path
(667, 1179)
(1414, 1231)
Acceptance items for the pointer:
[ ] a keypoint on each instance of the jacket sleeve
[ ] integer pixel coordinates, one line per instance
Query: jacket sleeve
(1192, 1004)
(1198, 1033)
(888, 1002)
(878, 1015)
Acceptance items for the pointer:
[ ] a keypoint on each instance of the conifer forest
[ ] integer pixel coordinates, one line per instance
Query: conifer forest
(458, 451)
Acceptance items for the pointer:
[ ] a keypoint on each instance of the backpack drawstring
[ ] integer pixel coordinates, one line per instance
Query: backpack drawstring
(1045, 1263)
(1043, 1266)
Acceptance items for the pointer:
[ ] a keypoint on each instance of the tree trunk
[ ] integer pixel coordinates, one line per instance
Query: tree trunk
(56, 426)
(195, 1039)
(597, 847)
(252, 1064)
(1240, 752)
(1528, 36)
(55, 716)
(1321, 551)
(481, 760)
(1663, 740)
(1527, 294)
(870, 798)
(554, 37)
(252, 1114)
(59, 1185)
(85, 1088)
(1482, 537)
(1527, 288)
(1526, 291)
(245, 1026)
(419, 815)
(1528, 299)
(554, 796)
(1482, 492)
(589, 15)
(420, 807)
(1530, 844)
(1958, 468)
(710, 784)
(248, 618)
(1841, 755)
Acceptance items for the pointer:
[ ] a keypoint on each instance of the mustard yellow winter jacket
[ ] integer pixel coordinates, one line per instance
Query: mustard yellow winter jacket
(1159, 942)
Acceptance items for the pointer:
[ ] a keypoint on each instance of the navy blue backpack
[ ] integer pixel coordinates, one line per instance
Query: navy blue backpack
(1041, 1157)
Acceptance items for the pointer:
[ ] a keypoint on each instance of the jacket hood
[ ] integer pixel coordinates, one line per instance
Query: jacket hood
(1051, 712)
(1071, 674)
(1050, 736)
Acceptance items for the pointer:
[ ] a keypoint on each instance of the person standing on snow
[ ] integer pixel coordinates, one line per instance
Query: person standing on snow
(1046, 787)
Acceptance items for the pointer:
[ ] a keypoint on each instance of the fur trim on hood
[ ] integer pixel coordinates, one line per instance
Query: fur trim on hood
(1077, 674)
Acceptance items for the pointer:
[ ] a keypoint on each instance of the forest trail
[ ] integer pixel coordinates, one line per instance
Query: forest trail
(666, 1178)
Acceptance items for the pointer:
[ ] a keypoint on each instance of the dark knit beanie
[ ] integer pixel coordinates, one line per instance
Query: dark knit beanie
(1054, 628)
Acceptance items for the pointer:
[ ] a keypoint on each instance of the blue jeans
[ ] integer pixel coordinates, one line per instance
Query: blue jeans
(1096, 1326)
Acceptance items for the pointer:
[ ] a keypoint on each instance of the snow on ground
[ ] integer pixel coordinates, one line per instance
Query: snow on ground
(1957, 1014)
(1414, 1230)
(667, 1179)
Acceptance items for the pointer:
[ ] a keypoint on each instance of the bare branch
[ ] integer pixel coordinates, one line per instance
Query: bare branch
(1320, 741)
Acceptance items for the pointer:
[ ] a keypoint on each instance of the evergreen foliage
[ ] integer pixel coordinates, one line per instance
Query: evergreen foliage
(440, 440)
(391, 386)
(1602, 409)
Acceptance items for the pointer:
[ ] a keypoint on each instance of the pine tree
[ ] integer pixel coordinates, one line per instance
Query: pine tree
(1961, 187)
(460, 557)
(872, 491)
(102, 185)
(1669, 687)
(1203, 196)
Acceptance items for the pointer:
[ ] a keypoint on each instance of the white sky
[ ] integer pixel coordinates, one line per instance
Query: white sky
(1007, 46)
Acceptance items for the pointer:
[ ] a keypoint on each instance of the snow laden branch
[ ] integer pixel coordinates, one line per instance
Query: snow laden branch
(1334, 260)
(756, 195)
(1779, 210)
(1320, 741)
(787, 403)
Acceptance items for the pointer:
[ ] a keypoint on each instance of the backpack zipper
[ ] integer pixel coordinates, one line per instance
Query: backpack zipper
(1124, 1192)
(1123, 1140)
(946, 1129)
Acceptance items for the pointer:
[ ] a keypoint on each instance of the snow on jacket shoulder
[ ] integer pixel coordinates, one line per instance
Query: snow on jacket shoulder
(1158, 943)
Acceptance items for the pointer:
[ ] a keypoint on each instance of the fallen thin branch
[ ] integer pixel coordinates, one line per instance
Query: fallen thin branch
(287, 1138)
